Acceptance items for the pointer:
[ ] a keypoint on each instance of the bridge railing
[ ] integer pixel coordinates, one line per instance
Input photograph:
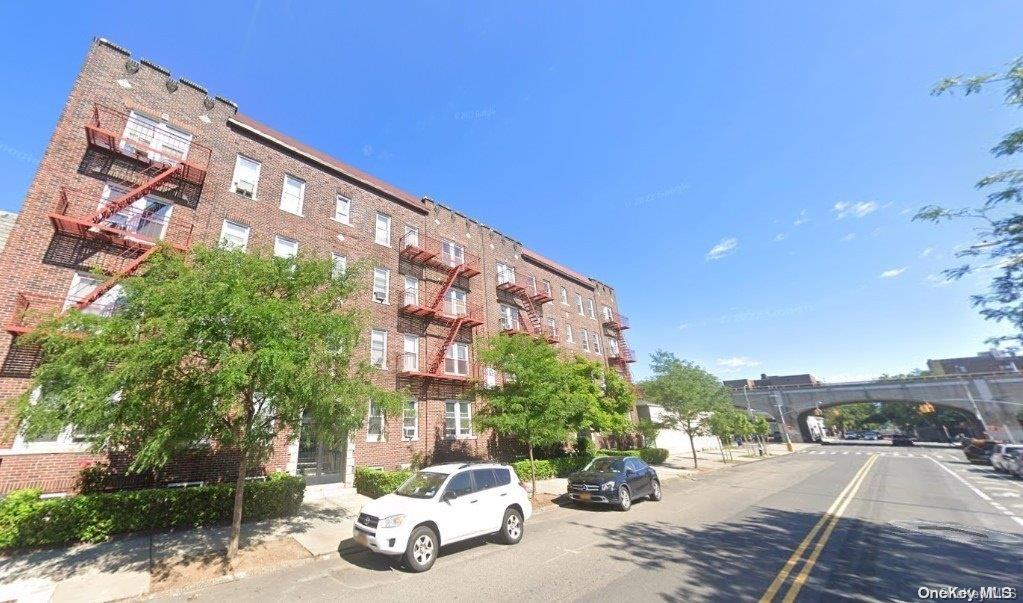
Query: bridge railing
(922, 379)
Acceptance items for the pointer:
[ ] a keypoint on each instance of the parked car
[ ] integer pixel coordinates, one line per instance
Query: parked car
(871, 435)
(852, 435)
(998, 455)
(441, 505)
(1012, 460)
(615, 481)
(979, 452)
(900, 439)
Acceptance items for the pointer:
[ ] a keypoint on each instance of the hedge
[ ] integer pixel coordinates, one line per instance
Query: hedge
(374, 483)
(653, 456)
(28, 520)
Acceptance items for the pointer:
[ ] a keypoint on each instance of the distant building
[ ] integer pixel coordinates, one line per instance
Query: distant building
(7, 219)
(992, 361)
(773, 381)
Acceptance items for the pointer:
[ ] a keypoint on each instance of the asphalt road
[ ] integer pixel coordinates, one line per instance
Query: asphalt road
(832, 522)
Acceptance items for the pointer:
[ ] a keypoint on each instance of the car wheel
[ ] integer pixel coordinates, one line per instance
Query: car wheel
(512, 526)
(655, 494)
(422, 549)
(624, 499)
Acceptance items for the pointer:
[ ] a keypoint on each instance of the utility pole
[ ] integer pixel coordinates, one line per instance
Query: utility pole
(785, 429)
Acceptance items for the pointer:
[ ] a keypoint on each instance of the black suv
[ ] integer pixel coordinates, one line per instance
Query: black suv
(614, 480)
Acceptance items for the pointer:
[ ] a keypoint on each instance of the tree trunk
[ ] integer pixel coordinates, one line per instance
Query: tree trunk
(239, 500)
(721, 449)
(692, 446)
(532, 471)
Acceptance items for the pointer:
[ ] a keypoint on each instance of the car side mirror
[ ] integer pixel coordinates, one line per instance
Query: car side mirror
(449, 496)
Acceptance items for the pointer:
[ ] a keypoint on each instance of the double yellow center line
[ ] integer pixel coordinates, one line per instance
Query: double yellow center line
(826, 524)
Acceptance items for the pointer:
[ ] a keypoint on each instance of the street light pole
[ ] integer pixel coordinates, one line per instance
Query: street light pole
(785, 429)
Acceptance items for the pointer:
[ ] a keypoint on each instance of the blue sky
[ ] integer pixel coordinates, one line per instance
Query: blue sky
(792, 139)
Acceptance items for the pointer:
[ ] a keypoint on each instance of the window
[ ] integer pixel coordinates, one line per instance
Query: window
(460, 484)
(457, 419)
(340, 264)
(63, 440)
(456, 361)
(411, 291)
(596, 343)
(579, 304)
(509, 317)
(584, 341)
(343, 209)
(411, 238)
(505, 273)
(246, 176)
(147, 217)
(607, 313)
(546, 289)
(552, 326)
(410, 421)
(410, 353)
(564, 296)
(284, 247)
(382, 233)
(531, 280)
(569, 338)
(292, 194)
(452, 253)
(375, 423)
(490, 376)
(234, 236)
(484, 478)
(454, 302)
(82, 286)
(157, 140)
(503, 476)
(378, 349)
(612, 347)
(381, 285)
(589, 309)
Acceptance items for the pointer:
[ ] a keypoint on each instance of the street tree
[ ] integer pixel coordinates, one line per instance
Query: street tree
(999, 233)
(218, 346)
(687, 393)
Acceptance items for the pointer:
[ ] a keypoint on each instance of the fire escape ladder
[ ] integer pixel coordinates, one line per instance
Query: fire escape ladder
(136, 193)
(456, 326)
(452, 275)
(534, 316)
(108, 284)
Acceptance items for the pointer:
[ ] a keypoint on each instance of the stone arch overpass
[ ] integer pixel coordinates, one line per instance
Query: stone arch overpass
(993, 398)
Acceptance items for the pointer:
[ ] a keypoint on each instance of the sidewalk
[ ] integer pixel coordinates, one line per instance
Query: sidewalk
(681, 465)
(133, 566)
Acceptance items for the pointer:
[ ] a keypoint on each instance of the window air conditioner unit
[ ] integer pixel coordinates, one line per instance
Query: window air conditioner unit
(244, 188)
(379, 296)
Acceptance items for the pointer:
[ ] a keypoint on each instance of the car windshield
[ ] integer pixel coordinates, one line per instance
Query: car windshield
(606, 464)
(423, 484)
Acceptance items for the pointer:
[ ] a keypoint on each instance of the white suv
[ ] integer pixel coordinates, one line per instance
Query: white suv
(441, 505)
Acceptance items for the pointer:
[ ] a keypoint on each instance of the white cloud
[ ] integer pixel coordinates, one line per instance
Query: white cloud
(926, 252)
(801, 219)
(781, 236)
(737, 362)
(725, 247)
(849, 237)
(843, 209)
(894, 272)
(938, 280)
(682, 326)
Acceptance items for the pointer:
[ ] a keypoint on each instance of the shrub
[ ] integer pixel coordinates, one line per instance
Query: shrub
(374, 483)
(28, 520)
(544, 469)
(570, 464)
(653, 456)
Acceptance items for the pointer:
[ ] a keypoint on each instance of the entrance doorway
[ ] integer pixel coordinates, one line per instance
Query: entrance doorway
(318, 462)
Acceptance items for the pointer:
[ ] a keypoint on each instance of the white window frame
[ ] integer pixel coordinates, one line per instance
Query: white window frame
(82, 286)
(343, 216)
(283, 242)
(569, 337)
(379, 436)
(378, 339)
(412, 291)
(564, 296)
(410, 434)
(386, 289)
(301, 194)
(382, 229)
(64, 442)
(589, 309)
(612, 346)
(584, 340)
(505, 273)
(462, 429)
(608, 314)
(411, 237)
(490, 376)
(579, 304)
(452, 253)
(455, 350)
(552, 326)
(339, 264)
(138, 217)
(456, 302)
(239, 161)
(595, 340)
(225, 243)
(410, 352)
(161, 133)
(508, 316)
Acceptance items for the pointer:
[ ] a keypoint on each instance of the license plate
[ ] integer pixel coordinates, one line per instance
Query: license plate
(585, 496)
(362, 538)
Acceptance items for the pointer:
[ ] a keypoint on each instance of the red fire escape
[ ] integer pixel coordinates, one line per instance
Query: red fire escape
(530, 298)
(616, 324)
(437, 304)
(127, 225)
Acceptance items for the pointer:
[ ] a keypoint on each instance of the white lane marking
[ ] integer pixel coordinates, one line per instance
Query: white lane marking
(846, 452)
(977, 491)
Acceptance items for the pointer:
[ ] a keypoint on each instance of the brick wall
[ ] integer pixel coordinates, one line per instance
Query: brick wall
(36, 260)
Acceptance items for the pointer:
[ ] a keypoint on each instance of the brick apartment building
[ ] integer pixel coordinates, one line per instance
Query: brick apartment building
(140, 155)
